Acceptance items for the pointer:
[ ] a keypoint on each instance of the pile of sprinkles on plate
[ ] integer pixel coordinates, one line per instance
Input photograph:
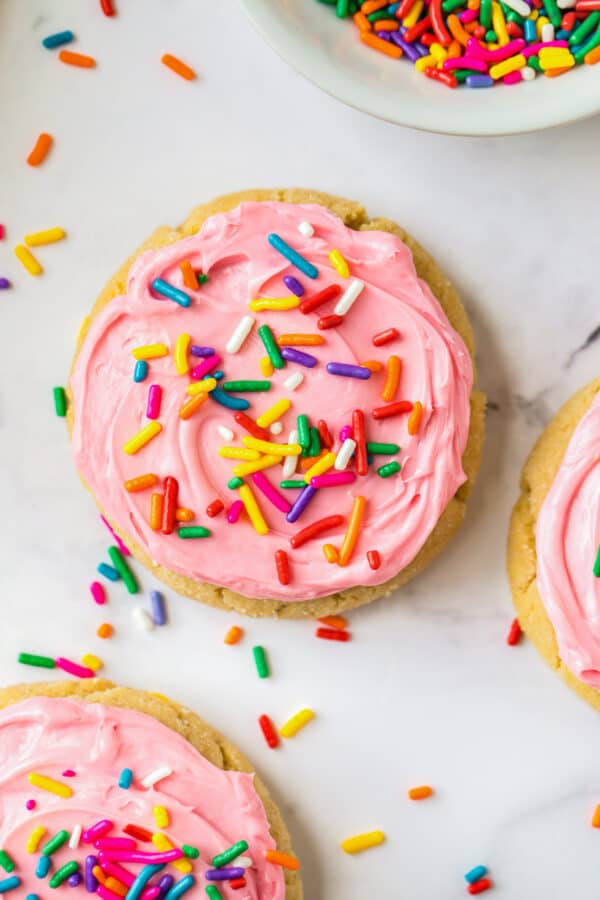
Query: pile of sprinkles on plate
(480, 43)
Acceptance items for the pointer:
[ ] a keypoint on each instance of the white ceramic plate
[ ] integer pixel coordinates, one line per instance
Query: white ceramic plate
(310, 37)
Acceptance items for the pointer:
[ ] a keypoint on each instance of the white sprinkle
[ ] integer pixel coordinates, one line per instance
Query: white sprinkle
(294, 381)
(142, 618)
(226, 433)
(153, 777)
(347, 299)
(290, 462)
(344, 454)
(241, 332)
(547, 32)
(244, 862)
(276, 428)
(527, 73)
(306, 229)
(566, 4)
(518, 6)
(75, 837)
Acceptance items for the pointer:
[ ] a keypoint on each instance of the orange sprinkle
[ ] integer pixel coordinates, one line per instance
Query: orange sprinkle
(330, 553)
(420, 793)
(308, 461)
(40, 151)
(596, 817)
(371, 40)
(454, 50)
(141, 482)
(178, 66)
(554, 73)
(592, 57)
(190, 406)
(116, 886)
(371, 6)
(234, 635)
(77, 59)
(156, 509)
(414, 420)
(361, 21)
(387, 25)
(473, 4)
(351, 536)
(189, 276)
(300, 340)
(182, 514)
(373, 365)
(457, 31)
(283, 859)
(99, 874)
(105, 631)
(334, 621)
(392, 378)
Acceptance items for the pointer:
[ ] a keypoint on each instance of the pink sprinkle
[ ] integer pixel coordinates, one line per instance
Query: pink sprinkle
(233, 513)
(97, 831)
(118, 540)
(98, 593)
(534, 49)
(512, 78)
(474, 48)
(30, 804)
(331, 479)
(345, 433)
(154, 399)
(465, 62)
(106, 894)
(73, 668)
(2, 232)
(138, 856)
(115, 843)
(468, 15)
(117, 871)
(206, 366)
(69, 773)
(271, 493)
(151, 893)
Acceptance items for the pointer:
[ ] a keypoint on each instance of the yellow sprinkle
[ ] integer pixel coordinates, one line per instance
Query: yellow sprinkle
(539, 24)
(533, 15)
(293, 725)
(271, 446)
(142, 438)
(508, 65)
(273, 413)
(335, 257)
(238, 453)
(162, 843)
(201, 387)
(49, 784)
(499, 24)
(361, 842)
(180, 354)
(555, 58)
(411, 19)
(247, 468)
(91, 661)
(266, 367)
(50, 236)
(438, 52)
(424, 62)
(28, 260)
(322, 465)
(150, 351)
(253, 509)
(330, 553)
(280, 303)
(161, 817)
(33, 841)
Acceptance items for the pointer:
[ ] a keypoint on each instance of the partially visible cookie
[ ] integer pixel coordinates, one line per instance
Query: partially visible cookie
(553, 544)
(78, 753)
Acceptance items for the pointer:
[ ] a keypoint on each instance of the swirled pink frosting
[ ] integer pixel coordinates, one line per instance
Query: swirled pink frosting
(209, 808)
(567, 538)
(232, 248)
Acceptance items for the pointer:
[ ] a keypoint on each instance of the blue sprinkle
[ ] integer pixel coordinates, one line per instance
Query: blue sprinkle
(58, 39)
(392, 8)
(142, 879)
(180, 887)
(475, 874)
(140, 371)
(293, 256)
(562, 35)
(219, 396)
(108, 572)
(43, 866)
(159, 613)
(125, 779)
(529, 31)
(8, 884)
(479, 81)
(171, 292)
(32, 897)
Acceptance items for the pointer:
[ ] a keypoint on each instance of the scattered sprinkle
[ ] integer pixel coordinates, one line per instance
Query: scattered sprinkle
(80, 60)
(361, 842)
(420, 793)
(178, 66)
(297, 722)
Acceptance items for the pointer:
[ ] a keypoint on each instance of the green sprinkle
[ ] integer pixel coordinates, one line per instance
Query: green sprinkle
(314, 447)
(213, 892)
(389, 469)
(31, 659)
(450, 5)
(260, 661)
(202, 278)
(379, 14)
(243, 386)
(6, 862)
(221, 859)
(553, 12)
(60, 401)
(511, 16)
(461, 75)
(55, 843)
(385, 449)
(194, 531)
(341, 8)
(122, 567)
(586, 27)
(596, 569)
(490, 35)
(589, 45)
(485, 13)
(190, 852)
(534, 62)
(234, 483)
(290, 483)
(303, 431)
(268, 339)
(63, 873)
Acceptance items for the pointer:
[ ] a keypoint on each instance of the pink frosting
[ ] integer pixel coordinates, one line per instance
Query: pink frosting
(232, 248)
(567, 538)
(208, 808)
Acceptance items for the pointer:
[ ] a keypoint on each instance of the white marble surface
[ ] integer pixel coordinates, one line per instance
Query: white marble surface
(427, 691)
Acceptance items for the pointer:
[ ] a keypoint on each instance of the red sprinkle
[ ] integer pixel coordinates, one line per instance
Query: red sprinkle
(392, 409)
(329, 322)
(438, 24)
(373, 558)
(323, 296)
(411, 34)
(237, 883)
(213, 509)
(384, 337)
(444, 77)
(358, 433)
(478, 887)
(514, 635)
(107, 8)
(169, 504)
(251, 427)
(325, 434)
(333, 634)
(318, 527)
(140, 834)
(283, 566)
(268, 729)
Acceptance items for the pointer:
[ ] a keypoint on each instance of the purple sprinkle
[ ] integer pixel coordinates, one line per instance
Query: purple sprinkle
(384, 35)
(293, 285)
(74, 880)
(411, 52)
(4, 283)
(159, 613)
(233, 513)
(302, 501)
(165, 884)
(479, 81)
(195, 350)
(224, 874)
(335, 368)
(69, 773)
(91, 882)
(297, 356)
(345, 433)
(30, 804)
